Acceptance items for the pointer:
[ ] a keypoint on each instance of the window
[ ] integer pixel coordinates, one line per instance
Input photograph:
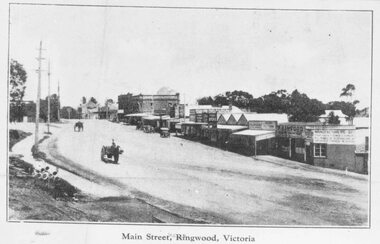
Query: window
(320, 150)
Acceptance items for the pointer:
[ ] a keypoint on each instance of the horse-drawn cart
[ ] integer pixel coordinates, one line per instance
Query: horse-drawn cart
(109, 152)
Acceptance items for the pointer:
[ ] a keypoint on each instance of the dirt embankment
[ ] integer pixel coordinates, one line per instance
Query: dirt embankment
(33, 198)
(16, 136)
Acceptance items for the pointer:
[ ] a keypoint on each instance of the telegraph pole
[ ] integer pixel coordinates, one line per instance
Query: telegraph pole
(38, 95)
(48, 123)
(59, 105)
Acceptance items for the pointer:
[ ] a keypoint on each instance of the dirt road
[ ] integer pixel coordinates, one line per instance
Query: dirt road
(208, 184)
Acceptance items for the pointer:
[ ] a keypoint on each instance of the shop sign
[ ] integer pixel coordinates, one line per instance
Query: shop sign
(292, 131)
(212, 117)
(262, 125)
(199, 117)
(334, 136)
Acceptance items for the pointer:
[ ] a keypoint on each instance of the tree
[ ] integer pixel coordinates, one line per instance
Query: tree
(53, 108)
(348, 91)
(69, 112)
(17, 79)
(220, 100)
(275, 102)
(84, 101)
(333, 119)
(205, 101)
(304, 109)
(347, 108)
(108, 102)
(240, 99)
(93, 100)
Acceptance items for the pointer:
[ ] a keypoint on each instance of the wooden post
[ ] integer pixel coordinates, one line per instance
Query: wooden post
(48, 122)
(38, 96)
(59, 105)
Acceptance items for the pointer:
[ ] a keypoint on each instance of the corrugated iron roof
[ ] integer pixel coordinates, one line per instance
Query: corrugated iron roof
(254, 132)
(280, 118)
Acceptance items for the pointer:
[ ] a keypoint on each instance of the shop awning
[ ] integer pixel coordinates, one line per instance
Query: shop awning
(136, 115)
(152, 117)
(258, 134)
(232, 127)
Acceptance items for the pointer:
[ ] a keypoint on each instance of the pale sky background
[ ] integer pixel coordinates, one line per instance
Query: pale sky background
(104, 52)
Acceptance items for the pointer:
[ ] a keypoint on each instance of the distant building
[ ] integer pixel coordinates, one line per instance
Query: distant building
(344, 119)
(108, 112)
(90, 110)
(159, 103)
(212, 115)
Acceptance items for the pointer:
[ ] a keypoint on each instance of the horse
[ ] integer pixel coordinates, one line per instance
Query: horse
(78, 125)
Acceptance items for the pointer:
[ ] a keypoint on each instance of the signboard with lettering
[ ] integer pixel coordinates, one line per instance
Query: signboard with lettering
(262, 125)
(212, 117)
(199, 117)
(334, 136)
(181, 109)
(205, 117)
(291, 131)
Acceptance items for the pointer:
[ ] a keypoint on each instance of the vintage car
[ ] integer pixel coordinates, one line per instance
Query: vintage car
(164, 132)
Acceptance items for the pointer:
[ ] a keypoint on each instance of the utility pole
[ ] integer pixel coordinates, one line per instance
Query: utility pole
(38, 95)
(106, 108)
(59, 105)
(48, 123)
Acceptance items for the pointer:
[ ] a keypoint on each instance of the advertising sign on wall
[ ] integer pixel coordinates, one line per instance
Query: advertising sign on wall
(262, 125)
(292, 131)
(212, 117)
(334, 136)
(199, 117)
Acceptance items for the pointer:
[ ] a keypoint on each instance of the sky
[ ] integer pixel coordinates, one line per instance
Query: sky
(104, 52)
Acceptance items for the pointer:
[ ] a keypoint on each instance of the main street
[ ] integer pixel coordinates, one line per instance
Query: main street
(208, 184)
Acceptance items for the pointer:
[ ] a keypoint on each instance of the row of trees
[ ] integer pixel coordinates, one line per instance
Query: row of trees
(297, 105)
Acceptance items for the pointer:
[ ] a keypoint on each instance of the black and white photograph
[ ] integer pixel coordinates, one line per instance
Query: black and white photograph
(189, 116)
